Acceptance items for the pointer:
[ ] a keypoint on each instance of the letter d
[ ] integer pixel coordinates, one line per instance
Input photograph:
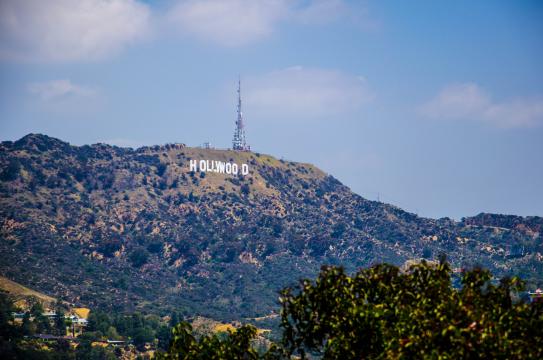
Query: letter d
(244, 169)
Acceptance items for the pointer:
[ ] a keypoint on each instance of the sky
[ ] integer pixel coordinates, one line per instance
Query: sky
(432, 106)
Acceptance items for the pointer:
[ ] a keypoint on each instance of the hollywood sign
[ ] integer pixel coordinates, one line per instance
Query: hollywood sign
(220, 167)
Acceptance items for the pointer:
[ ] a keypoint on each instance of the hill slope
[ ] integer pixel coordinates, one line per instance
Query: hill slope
(122, 228)
(23, 296)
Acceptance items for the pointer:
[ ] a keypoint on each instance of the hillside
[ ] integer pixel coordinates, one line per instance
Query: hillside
(22, 296)
(131, 229)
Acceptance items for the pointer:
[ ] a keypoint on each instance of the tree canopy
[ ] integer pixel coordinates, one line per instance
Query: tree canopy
(184, 345)
(385, 313)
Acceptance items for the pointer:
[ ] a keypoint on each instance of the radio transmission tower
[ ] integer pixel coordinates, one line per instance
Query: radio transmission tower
(239, 143)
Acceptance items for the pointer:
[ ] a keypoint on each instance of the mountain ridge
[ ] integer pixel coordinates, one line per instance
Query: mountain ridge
(136, 229)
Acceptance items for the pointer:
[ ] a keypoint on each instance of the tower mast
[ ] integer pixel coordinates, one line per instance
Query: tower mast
(239, 142)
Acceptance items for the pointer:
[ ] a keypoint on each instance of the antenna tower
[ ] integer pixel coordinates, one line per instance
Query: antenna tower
(239, 143)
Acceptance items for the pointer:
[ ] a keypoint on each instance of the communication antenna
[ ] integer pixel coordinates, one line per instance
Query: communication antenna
(239, 142)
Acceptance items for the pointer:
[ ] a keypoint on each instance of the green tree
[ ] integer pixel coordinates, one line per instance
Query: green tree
(139, 257)
(142, 336)
(382, 312)
(6, 308)
(98, 321)
(60, 322)
(28, 327)
(245, 189)
(112, 333)
(36, 309)
(43, 325)
(236, 345)
(86, 351)
(163, 335)
(11, 170)
(174, 319)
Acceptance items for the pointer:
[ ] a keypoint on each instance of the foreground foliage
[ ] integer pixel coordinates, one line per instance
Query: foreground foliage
(236, 345)
(385, 313)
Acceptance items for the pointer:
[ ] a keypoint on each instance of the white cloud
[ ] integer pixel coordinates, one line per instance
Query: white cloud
(59, 89)
(88, 30)
(305, 93)
(239, 22)
(516, 113)
(68, 30)
(468, 101)
(320, 11)
(458, 101)
(229, 22)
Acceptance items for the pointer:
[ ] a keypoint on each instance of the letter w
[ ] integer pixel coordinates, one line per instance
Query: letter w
(220, 166)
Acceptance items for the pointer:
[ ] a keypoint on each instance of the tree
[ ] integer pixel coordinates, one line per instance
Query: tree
(174, 319)
(36, 309)
(60, 322)
(139, 257)
(5, 317)
(11, 171)
(427, 252)
(163, 335)
(142, 336)
(184, 345)
(245, 190)
(43, 326)
(383, 312)
(28, 328)
(86, 351)
(98, 321)
(160, 169)
(112, 333)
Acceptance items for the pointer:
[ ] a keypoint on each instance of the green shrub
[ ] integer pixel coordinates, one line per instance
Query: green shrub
(139, 257)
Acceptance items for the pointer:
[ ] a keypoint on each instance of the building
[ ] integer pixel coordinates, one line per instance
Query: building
(77, 320)
(536, 295)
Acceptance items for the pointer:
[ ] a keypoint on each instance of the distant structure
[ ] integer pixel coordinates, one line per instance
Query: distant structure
(239, 142)
(537, 295)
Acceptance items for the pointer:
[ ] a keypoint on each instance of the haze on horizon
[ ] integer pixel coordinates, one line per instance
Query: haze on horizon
(436, 107)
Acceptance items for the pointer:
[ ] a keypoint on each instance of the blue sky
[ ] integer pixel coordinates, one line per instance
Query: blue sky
(434, 106)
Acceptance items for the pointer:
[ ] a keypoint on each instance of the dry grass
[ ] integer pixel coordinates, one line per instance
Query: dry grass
(20, 293)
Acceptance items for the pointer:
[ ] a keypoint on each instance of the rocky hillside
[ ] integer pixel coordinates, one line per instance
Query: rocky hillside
(119, 228)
